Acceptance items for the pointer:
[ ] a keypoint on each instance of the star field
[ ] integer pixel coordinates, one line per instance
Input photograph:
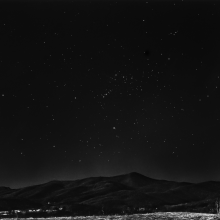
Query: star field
(91, 88)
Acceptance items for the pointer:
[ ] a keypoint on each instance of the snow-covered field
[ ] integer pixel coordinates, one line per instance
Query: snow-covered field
(150, 216)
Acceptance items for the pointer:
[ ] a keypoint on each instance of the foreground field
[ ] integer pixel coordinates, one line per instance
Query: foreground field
(150, 216)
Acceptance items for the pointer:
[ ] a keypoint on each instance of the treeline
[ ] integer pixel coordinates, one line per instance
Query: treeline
(87, 210)
(76, 210)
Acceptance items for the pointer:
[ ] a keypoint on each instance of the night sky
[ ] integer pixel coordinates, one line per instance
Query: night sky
(103, 88)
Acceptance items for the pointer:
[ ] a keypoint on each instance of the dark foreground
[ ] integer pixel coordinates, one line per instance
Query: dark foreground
(150, 216)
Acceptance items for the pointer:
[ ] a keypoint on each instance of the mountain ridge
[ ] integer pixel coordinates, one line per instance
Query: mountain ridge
(126, 190)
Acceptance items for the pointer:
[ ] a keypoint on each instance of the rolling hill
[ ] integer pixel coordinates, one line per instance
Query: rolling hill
(118, 193)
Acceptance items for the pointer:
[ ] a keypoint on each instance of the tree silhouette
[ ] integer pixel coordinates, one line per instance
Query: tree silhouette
(217, 203)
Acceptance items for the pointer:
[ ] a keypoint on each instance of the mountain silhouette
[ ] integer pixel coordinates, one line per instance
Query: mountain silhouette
(117, 192)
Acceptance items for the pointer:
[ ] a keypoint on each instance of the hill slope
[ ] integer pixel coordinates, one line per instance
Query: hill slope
(133, 190)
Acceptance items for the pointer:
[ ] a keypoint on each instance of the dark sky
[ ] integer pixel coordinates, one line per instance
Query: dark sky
(101, 88)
